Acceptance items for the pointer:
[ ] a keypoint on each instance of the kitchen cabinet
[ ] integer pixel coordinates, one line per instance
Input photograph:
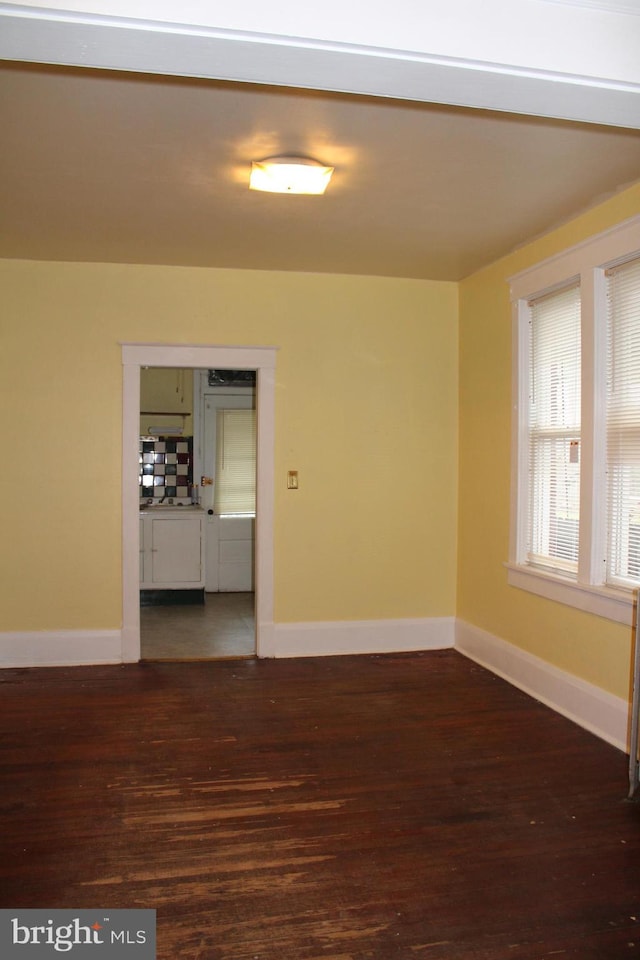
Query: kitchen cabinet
(171, 548)
(229, 552)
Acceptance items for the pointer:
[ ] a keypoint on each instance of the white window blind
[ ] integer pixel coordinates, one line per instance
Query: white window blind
(623, 424)
(235, 484)
(554, 431)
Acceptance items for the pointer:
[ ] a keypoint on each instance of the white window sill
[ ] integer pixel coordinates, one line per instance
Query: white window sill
(602, 601)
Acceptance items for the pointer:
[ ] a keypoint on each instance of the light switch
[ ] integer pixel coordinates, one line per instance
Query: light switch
(292, 480)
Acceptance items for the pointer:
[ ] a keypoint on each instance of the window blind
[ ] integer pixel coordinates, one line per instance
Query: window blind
(235, 484)
(554, 430)
(623, 424)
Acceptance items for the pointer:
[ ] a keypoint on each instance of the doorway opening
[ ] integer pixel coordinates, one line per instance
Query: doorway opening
(258, 359)
(197, 486)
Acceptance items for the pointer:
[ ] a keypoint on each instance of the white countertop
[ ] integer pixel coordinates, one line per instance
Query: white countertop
(173, 508)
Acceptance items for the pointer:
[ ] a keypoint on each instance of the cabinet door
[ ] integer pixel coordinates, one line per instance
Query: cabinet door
(176, 550)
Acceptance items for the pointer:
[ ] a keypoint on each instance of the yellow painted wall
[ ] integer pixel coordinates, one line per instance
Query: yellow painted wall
(366, 410)
(164, 390)
(590, 647)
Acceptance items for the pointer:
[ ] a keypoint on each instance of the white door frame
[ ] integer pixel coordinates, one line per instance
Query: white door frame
(260, 359)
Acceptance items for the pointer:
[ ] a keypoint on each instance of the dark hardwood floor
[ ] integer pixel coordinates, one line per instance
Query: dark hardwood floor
(373, 807)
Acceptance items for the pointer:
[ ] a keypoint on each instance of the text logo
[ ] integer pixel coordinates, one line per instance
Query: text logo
(81, 934)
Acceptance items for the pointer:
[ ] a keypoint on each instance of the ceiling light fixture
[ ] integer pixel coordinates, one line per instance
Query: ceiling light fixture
(289, 175)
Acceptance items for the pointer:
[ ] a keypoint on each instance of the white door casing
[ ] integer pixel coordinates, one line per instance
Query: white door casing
(261, 359)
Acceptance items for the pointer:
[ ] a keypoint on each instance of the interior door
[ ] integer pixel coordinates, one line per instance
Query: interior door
(229, 540)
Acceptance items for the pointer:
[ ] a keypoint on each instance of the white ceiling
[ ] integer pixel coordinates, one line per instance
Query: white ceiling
(615, 6)
(106, 166)
(112, 153)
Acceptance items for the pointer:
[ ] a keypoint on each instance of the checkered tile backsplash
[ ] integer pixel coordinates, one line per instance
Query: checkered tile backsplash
(166, 467)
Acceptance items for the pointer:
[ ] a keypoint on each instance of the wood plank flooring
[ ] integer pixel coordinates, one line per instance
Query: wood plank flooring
(347, 808)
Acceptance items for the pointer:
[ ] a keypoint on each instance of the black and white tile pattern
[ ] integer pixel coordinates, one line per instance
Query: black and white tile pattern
(166, 468)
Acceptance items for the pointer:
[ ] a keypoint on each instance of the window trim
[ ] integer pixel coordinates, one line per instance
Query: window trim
(587, 263)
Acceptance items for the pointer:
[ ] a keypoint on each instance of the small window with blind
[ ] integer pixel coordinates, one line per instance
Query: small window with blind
(575, 505)
(235, 486)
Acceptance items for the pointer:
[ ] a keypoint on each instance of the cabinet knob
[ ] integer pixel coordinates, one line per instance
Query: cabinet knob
(210, 512)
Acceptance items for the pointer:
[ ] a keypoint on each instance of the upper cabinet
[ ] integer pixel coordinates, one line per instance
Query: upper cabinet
(166, 401)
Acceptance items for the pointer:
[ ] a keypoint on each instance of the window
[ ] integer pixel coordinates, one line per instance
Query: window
(554, 430)
(575, 512)
(235, 489)
(623, 424)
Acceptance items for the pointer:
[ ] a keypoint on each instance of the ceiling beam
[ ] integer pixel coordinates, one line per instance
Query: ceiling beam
(93, 40)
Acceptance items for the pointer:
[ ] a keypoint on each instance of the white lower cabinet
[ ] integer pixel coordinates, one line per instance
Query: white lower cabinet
(230, 557)
(171, 550)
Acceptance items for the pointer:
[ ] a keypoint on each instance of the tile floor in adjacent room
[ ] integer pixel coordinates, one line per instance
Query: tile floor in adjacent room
(223, 627)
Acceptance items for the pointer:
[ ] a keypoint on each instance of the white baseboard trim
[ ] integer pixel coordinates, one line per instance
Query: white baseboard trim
(83, 647)
(600, 712)
(344, 637)
(60, 648)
